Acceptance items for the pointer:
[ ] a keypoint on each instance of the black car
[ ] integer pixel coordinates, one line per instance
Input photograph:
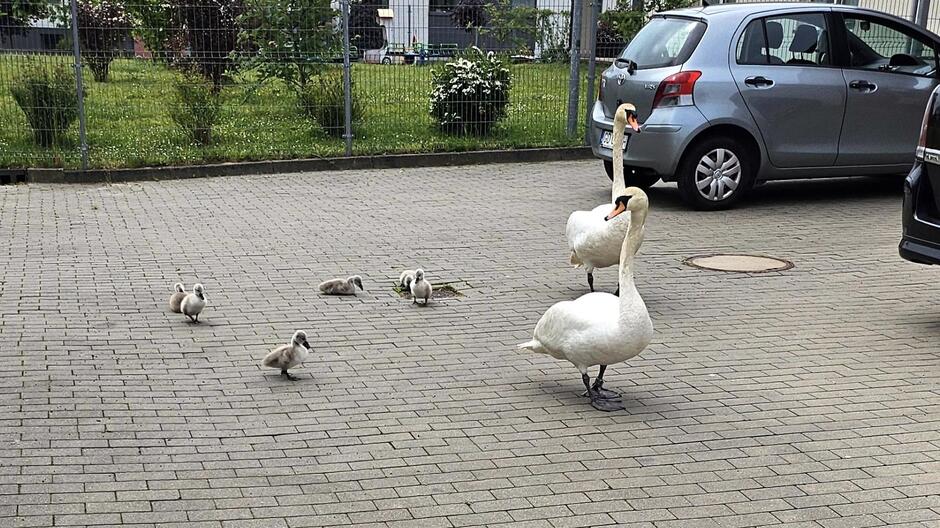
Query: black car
(921, 236)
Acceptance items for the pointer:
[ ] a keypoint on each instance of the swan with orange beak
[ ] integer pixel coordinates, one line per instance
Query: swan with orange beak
(594, 241)
(600, 328)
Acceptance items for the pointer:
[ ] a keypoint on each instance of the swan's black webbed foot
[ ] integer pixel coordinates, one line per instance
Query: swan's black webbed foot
(591, 281)
(289, 376)
(607, 405)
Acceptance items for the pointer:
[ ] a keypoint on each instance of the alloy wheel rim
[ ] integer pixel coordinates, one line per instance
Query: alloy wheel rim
(718, 174)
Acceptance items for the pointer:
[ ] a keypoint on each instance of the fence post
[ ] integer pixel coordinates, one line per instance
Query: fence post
(592, 68)
(574, 76)
(923, 8)
(347, 82)
(79, 85)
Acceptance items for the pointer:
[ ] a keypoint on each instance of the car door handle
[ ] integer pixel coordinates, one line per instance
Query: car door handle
(863, 86)
(758, 81)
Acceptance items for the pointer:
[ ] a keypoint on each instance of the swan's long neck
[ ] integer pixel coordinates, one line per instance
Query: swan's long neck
(618, 185)
(628, 292)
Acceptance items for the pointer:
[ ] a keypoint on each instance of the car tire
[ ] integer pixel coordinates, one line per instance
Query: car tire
(631, 177)
(386, 60)
(715, 173)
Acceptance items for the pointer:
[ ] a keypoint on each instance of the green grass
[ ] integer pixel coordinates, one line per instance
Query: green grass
(129, 123)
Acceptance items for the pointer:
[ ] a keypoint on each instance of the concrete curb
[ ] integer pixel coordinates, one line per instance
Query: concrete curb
(396, 161)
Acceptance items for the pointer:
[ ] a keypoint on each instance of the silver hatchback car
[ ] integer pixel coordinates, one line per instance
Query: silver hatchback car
(730, 95)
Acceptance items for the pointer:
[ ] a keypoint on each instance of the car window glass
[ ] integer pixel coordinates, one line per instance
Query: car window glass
(795, 40)
(752, 46)
(876, 46)
(664, 42)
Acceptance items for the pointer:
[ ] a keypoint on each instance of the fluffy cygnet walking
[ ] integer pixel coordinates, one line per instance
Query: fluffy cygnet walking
(289, 356)
(406, 278)
(177, 298)
(194, 303)
(420, 288)
(342, 286)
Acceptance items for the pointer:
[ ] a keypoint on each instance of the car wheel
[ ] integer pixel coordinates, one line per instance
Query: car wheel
(386, 60)
(715, 174)
(632, 177)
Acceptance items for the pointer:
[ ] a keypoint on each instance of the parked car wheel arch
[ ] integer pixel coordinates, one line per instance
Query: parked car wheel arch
(754, 150)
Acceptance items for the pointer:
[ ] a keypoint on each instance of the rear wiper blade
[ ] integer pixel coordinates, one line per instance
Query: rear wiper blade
(631, 65)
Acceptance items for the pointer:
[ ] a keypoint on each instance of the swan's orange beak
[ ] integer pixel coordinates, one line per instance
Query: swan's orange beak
(619, 208)
(634, 124)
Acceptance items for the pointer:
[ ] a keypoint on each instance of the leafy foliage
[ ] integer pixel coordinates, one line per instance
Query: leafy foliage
(15, 15)
(49, 98)
(469, 14)
(196, 108)
(154, 23)
(322, 100)
(471, 94)
(211, 36)
(520, 27)
(103, 27)
(291, 39)
(197, 35)
(616, 27)
(655, 6)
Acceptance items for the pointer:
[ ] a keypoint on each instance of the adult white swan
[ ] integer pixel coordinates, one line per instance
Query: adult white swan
(600, 328)
(595, 242)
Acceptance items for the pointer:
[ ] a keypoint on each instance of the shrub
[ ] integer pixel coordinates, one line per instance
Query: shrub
(49, 99)
(322, 100)
(103, 29)
(211, 36)
(196, 108)
(16, 15)
(470, 15)
(198, 36)
(470, 95)
(292, 40)
(616, 27)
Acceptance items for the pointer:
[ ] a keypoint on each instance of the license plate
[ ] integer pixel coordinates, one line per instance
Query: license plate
(607, 140)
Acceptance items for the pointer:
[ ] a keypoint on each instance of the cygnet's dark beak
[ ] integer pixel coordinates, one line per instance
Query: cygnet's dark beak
(306, 345)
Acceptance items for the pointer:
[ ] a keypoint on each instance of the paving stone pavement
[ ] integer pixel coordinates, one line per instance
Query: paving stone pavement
(804, 398)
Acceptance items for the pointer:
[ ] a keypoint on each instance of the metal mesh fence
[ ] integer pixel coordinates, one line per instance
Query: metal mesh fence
(228, 80)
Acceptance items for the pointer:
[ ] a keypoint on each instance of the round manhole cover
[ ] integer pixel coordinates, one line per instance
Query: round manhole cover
(739, 263)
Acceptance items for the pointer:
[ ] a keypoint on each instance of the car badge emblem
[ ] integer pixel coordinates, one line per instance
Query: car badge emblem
(649, 86)
(620, 79)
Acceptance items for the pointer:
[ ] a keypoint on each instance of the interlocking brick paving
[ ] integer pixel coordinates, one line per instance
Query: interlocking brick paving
(801, 398)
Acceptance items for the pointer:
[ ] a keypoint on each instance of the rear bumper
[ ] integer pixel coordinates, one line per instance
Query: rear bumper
(919, 251)
(660, 144)
(920, 241)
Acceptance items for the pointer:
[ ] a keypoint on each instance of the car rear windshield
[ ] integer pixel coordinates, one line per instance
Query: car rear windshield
(664, 42)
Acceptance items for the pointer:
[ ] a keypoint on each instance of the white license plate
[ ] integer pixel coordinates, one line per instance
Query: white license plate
(607, 140)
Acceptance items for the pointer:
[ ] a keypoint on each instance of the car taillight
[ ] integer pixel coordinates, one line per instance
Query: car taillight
(922, 142)
(676, 90)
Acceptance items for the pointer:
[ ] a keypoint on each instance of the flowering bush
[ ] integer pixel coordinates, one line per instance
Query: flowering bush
(470, 95)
